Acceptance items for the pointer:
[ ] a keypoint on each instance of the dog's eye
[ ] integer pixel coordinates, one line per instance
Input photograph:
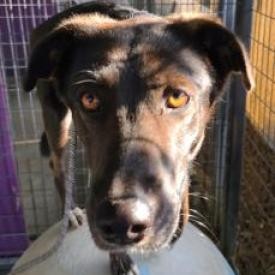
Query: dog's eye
(90, 102)
(176, 99)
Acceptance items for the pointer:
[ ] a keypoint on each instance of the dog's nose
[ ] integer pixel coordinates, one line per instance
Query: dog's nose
(123, 221)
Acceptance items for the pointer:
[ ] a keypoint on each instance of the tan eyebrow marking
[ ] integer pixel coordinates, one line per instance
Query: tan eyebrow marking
(94, 23)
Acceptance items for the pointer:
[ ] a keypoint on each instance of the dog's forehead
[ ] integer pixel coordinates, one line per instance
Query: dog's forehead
(146, 52)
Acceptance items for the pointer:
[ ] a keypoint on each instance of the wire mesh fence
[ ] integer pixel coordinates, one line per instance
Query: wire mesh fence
(18, 18)
(40, 202)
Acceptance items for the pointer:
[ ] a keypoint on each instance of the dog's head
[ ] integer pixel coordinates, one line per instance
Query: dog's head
(141, 92)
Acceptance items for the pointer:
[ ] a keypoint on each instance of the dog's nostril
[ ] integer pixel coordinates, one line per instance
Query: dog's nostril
(107, 229)
(138, 228)
(152, 180)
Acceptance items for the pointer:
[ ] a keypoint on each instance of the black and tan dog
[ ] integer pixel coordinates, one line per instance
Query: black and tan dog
(140, 90)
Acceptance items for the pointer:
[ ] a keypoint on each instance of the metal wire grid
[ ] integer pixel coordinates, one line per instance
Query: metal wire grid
(256, 242)
(167, 6)
(18, 18)
(40, 202)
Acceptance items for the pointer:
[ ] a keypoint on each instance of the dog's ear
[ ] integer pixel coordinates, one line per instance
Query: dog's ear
(220, 47)
(50, 43)
(45, 57)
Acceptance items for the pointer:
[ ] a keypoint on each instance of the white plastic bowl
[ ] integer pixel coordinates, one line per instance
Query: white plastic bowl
(193, 254)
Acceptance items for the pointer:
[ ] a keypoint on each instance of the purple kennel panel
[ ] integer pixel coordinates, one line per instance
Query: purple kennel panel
(17, 19)
(13, 238)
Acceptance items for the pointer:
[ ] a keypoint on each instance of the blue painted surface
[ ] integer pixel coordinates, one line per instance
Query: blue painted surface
(144, 269)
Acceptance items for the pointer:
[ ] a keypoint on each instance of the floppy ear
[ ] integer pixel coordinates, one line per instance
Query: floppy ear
(50, 44)
(45, 57)
(221, 48)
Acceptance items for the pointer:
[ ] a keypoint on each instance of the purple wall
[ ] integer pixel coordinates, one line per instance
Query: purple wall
(13, 238)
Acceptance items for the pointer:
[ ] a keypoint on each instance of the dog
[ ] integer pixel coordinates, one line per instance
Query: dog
(140, 90)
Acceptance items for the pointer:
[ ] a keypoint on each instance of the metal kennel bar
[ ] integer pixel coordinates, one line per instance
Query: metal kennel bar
(235, 136)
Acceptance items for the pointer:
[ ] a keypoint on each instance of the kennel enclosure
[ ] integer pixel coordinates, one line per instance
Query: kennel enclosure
(243, 131)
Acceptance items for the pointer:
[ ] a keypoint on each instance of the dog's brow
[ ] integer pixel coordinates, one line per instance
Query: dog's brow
(83, 81)
(155, 85)
(84, 76)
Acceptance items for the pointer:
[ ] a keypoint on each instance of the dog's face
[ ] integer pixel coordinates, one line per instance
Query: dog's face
(141, 92)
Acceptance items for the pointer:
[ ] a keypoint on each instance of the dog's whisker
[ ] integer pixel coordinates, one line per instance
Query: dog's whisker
(197, 195)
(204, 226)
(196, 212)
(199, 217)
(194, 218)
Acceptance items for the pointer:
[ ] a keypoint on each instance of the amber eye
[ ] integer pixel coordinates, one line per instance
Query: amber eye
(90, 102)
(177, 99)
